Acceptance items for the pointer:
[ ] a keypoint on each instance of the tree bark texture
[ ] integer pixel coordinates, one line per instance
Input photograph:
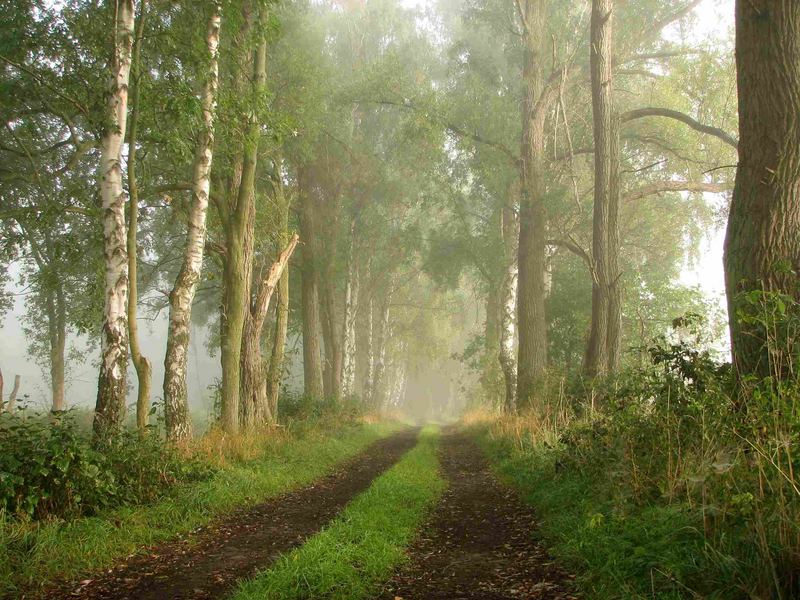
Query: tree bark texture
(508, 300)
(762, 244)
(531, 319)
(111, 389)
(312, 362)
(140, 362)
(349, 320)
(276, 360)
(255, 408)
(176, 400)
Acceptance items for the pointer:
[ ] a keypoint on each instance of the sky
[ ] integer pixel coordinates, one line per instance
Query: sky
(714, 20)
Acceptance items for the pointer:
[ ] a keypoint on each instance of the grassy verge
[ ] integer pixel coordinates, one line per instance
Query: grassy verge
(616, 552)
(359, 550)
(34, 554)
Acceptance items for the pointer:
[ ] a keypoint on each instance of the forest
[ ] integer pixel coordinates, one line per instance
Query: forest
(400, 299)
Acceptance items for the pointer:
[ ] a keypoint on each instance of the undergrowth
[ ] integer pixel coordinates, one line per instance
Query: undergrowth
(674, 480)
(34, 553)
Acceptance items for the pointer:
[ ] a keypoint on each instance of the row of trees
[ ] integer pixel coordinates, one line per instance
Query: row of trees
(523, 157)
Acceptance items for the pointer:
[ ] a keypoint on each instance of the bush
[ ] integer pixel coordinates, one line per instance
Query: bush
(49, 468)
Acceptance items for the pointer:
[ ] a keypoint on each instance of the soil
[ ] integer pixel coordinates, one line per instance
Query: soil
(479, 542)
(208, 562)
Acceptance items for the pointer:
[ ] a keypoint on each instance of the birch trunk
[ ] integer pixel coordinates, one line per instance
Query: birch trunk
(349, 322)
(255, 408)
(12, 397)
(508, 299)
(110, 406)
(378, 385)
(140, 362)
(57, 322)
(282, 317)
(176, 401)
(369, 351)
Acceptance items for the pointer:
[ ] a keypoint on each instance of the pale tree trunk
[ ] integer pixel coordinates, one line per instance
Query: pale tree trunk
(349, 321)
(491, 342)
(531, 320)
(597, 358)
(111, 388)
(239, 240)
(12, 397)
(312, 357)
(176, 400)
(255, 408)
(508, 299)
(140, 362)
(57, 326)
(2, 398)
(275, 372)
(369, 352)
(378, 391)
(762, 245)
(399, 382)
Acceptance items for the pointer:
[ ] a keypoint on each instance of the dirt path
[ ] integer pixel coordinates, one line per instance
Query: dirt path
(478, 543)
(209, 562)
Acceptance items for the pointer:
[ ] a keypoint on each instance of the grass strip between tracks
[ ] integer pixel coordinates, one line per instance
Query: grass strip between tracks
(360, 549)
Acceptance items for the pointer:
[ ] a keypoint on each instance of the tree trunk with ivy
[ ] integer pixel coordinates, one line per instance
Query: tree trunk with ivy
(762, 245)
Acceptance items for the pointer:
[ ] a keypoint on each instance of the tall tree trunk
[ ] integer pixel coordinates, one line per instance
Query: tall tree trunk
(349, 321)
(762, 245)
(140, 362)
(57, 324)
(255, 409)
(508, 300)
(597, 358)
(12, 397)
(378, 388)
(111, 388)
(531, 319)
(330, 335)
(492, 342)
(239, 240)
(275, 372)
(312, 364)
(614, 323)
(369, 351)
(176, 400)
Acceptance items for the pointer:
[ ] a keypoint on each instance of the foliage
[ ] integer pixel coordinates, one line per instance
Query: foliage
(35, 553)
(670, 483)
(49, 468)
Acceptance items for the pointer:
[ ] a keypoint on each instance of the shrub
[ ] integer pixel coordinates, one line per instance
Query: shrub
(48, 467)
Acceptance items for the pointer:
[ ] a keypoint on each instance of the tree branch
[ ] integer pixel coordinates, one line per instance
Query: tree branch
(676, 186)
(668, 113)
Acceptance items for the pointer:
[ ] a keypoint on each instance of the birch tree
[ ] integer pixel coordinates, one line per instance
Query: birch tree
(176, 404)
(111, 389)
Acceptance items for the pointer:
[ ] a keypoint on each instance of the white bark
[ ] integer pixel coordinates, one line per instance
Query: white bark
(378, 386)
(110, 407)
(508, 334)
(350, 310)
(176, 405)
(370, 352)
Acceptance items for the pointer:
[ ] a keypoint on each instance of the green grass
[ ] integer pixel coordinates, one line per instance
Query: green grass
(617, 551)
(359, 550)
(35, 554)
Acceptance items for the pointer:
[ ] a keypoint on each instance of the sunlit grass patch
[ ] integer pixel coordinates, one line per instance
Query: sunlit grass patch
(359, 550)
(34, 554)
